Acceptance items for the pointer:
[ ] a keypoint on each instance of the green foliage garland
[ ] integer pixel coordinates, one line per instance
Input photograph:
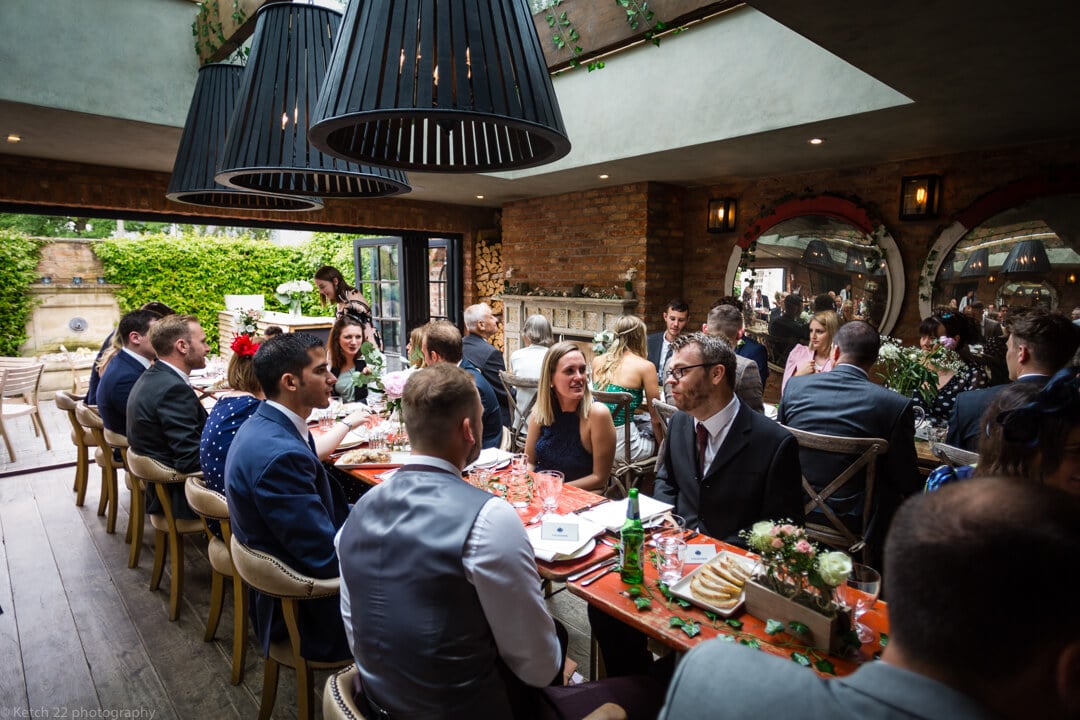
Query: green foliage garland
(18, 264)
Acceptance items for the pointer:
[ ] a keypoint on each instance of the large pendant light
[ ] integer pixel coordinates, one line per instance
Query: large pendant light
(817, 253)
(192, 181)
(267, 147)
(1028, 257)
(978, 265)
(440, 86)
(856, 261)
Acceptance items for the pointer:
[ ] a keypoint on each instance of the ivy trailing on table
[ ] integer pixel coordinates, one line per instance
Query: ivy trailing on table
(18, 268)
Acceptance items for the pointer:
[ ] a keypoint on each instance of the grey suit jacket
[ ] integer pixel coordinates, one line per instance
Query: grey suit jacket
(754, 476)
(749, 683)
(748, 383)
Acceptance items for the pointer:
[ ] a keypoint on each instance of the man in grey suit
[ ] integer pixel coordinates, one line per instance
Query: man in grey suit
(726, 322)
(845, 402)
(946, 553)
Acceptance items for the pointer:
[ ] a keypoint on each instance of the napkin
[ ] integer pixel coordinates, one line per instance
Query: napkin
(613, 514)
(548, 550)
(490, 457)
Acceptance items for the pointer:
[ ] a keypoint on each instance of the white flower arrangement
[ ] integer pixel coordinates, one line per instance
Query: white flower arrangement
(291, 294)
(602, 341)
(245, 320)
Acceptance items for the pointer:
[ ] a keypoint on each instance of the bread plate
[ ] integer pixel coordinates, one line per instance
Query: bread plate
(395, 459)
(682, 588)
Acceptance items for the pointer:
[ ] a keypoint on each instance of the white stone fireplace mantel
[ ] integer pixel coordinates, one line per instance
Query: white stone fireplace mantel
(571, 318)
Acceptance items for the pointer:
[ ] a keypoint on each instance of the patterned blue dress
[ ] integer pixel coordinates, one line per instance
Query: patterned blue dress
(225, 419)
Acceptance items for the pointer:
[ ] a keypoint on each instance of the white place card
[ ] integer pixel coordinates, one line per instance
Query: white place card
(697, 554)
(559, 529)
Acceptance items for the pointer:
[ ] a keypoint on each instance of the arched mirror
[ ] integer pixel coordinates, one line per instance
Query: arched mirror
(1024, 256)
(818, 246)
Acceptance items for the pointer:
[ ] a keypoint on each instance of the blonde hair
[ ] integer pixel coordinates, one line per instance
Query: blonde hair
(829, 320)
(630, 334)
(544, 411)
(115, 345)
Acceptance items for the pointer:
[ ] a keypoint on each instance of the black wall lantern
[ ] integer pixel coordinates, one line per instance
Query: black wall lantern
(722, 215)
(920, 197)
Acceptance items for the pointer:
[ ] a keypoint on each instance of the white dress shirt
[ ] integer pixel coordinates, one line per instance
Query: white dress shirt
(718, 426)
(176, 370)
(145, 362)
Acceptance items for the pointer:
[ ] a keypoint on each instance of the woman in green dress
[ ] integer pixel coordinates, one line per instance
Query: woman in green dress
(625, 368)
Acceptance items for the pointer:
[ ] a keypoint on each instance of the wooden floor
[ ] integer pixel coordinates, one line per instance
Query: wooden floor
(82, 633)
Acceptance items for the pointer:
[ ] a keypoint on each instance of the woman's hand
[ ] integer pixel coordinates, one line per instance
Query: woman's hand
(807, 368)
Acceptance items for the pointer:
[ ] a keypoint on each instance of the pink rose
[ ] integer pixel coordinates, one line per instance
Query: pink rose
(777, 543)
(803, 547)
(394, 383)
(947, 341)
(787, 529)
(774, 531)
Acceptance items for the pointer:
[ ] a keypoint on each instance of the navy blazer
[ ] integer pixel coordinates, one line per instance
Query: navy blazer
(965, 423)
(654, 343)
(95, 378)
(752, 349)
(114, 389)
(492, 419)
(489, 361)
(754, 476)
(281, 501)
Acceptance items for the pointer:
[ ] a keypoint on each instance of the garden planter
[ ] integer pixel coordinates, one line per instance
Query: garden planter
(824, 632)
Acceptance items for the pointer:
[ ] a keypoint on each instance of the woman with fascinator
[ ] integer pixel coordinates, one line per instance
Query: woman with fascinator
(624, 367)
(350, 301)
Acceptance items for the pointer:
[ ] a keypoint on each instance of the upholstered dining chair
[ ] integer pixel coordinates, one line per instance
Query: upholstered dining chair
(519, 411)
(168, 530)
(625, 473)
(136, 509)
(865, 451)
(19, 384)
(212, 505)
(81, 438)
(270, 576)
(103, 455)
(337, 699)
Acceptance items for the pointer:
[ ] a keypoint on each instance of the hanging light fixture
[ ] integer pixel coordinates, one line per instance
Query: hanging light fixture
(856, 261)
(978, 265)
(817, 253)
(721, 215)
(919, 197)
(1028, 257)
(267, 147)
(440, 86)
(192, 181)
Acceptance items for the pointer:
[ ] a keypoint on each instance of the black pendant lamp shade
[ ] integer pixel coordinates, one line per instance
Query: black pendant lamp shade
(978, 265)
(440, 86)
(1028, 257)
(817, 253)
(192, 181)
(267, 147)
(856, 261)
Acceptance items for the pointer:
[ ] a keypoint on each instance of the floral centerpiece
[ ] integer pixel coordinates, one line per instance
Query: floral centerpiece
(910, 369)
(374, 376)
(601, 341)
(246, 320)
(292, 293)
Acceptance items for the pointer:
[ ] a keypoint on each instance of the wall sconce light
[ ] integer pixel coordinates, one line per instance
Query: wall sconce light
(920, 196)
(722, 215)
(1071, 278)
(76, 280)
(991, 278)
(46, 279)
(101, 280)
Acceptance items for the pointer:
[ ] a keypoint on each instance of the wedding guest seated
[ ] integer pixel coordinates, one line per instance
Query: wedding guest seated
(786, 331)
(816, 355)
(746, 346)
(526, 362)
(946, 554)
(624, 368)
(272, 330)
(568, 431)
(955, 332)
(442, 343)
(726, 322)
(346, 337)
(120, 372)
(824, 302)
(112, 345)
(481, 325)
(414, 349)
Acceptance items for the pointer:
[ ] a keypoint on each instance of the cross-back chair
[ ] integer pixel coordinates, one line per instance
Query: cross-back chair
(521, 393)
(625, 473)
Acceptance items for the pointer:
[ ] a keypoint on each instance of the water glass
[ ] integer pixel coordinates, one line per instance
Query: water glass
(519, 463)
(377, 439)
(518, 492)
(480, 477)
(670, 554)
(860, 594)
(326, 419)
(549, 484)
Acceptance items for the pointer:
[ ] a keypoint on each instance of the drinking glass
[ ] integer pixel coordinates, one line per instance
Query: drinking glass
(670, 553)
(549, 484)
(480, 477)
(519, 463)
(517, 490)
(326, 419)
(860, 594)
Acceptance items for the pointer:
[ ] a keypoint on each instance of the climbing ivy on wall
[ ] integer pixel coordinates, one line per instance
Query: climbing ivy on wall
(18, 263)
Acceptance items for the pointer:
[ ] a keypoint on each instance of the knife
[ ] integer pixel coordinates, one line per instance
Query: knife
(596, 577)
(591, 569)
(589, 507)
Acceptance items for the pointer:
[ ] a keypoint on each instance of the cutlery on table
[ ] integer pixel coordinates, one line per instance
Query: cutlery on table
(591, 569)
(596, 577)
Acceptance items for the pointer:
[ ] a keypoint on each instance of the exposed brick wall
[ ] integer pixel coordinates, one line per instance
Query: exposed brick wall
(66, 259)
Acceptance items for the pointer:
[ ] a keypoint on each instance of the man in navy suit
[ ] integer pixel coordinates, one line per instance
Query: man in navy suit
(442, 343)
(480, 326)
(164, 417)
(281, 500)
(127, 365)
(159, 309)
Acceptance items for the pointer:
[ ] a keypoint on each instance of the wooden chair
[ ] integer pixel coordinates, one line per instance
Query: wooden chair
(211, 505)
(136, 508)
(953, 456)
(81, 438)
(866, 450)
(625, 473)
(520, 412)
(337, 699)
(103, 455)
(270, 576)
(168, 530)
(664, 411)
(19, 385)
(79, 382)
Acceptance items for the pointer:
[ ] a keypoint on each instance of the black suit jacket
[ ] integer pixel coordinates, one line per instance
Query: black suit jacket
(654, 343)
(754, 476)
(489, 361)
(845, 402)
(965, 423)
(114, 389)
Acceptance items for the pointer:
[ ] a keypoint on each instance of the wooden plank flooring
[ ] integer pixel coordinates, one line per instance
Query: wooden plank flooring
(82, 631)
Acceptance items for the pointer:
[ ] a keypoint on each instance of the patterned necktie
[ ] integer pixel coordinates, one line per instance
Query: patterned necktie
(702, 446)
(664, 363)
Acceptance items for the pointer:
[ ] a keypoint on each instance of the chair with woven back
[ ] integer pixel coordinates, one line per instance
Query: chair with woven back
(862, 468)
(19, 384)
(136, 509)
(103, 455)
(515, 387)
(954, 456)
(273, 577)
(81, 438)
(625, 472)
(212, 505)
(168, 529)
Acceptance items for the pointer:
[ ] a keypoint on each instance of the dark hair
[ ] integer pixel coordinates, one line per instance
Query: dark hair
(443, 338)
(286, 353)
(337, 354)
(728, 300)
(960, 326)
(714, 350)
(166, 331)
(792, 303)
(678, 305)
(333, 276)
(928, 327)
(135, 321)
(160, 308)
(824, 301)
(944, 558)
(859, 343)
(977, 305)
(1051, 337)
(435, 400)
(272, 330)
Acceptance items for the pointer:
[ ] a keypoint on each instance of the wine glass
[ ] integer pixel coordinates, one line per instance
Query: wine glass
(860, 594)
(549, 484)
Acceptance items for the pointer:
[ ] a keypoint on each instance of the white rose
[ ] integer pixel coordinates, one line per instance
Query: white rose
(834, 568)
(761, 535)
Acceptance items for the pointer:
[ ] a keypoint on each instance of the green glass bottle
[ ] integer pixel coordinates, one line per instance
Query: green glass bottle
(632, 543)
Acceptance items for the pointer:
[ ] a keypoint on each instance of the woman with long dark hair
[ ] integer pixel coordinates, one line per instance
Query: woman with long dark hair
(350, 301)
(346, 338)
(956, 333)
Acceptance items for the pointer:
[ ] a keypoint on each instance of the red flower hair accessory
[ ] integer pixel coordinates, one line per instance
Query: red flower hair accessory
(242, 345)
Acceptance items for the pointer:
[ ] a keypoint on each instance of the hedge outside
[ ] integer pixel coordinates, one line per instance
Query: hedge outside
(19, 257)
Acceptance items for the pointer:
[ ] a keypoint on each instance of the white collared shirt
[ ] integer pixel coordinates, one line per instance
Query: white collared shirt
(176, 370)
(718, 426)
(298, 422)
(145, 362)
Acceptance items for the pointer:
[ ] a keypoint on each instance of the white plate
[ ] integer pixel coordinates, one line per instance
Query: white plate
(582, 552)
(492, 459)
(396, 460)
(682, 589)
(350, 441)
